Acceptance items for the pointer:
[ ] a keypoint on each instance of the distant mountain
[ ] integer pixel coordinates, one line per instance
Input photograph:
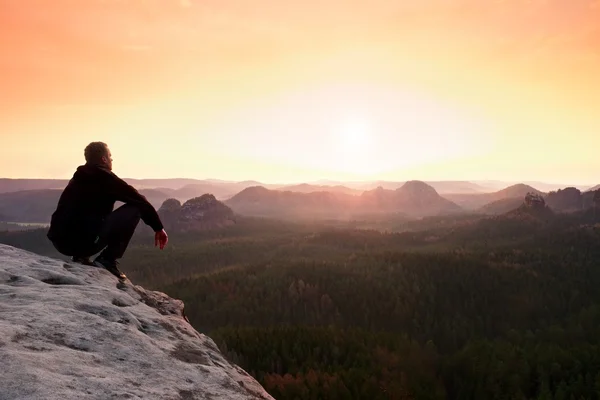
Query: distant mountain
(567, 200)
(494, 186)
(29, 205)
(37, 206)
(154, 196)
(570, 200)
(532, 209)
(547, 187)
(441, 187)
(260, 201)
(187, 188)
(169, 183)
(413, 198)
(308, 188)
(476, 201)
(501, 206)
(221, 190)
(419, 198)
(518, 190)
(593, 189)
(200, 213)
(17, 185)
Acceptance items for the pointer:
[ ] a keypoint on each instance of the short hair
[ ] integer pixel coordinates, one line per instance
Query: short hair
(94, 151)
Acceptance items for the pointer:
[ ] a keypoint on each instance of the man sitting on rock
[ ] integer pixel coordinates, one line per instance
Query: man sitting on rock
(84, 222)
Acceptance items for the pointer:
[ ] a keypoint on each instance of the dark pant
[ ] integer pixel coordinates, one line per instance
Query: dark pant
(113, 236)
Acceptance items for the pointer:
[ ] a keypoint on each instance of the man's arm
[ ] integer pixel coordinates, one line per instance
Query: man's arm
(127, 194)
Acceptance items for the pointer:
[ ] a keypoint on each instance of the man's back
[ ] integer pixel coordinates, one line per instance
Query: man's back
(89, 198)
(83, 197)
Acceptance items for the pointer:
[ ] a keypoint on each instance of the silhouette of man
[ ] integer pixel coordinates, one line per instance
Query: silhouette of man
(84, 222)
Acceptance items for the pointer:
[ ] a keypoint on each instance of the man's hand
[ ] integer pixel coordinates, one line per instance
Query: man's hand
(161, 238)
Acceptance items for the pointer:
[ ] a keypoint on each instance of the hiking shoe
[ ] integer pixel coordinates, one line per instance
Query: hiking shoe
(110, 265)
(82, 260)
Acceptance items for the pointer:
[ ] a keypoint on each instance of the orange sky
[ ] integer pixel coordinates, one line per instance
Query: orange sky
(291, 91)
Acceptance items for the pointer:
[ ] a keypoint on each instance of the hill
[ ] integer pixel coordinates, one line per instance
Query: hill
(199, 213)
(593, 189)
(221, 190)
(443, 187)
(414, 198)
(16, 185)
(477, 201)
(308, 188)
(188, 187)
(260, 201)
(105, 339)
(439, 186)
(419, 198)
(501, 206)
(29, 205)
(565, 200)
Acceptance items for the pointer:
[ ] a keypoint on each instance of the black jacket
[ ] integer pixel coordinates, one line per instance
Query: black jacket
(87, 201)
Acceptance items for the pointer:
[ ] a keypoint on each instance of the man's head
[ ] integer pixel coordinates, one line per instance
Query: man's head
(98, 153)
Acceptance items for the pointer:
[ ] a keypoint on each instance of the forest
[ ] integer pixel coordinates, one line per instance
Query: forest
(465, 307)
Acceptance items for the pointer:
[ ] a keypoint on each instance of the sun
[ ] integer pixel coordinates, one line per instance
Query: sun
(353, 145)
(353, 134)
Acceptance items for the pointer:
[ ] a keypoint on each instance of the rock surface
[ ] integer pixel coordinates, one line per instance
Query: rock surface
(565, 200)
(534, 200)
(199, 213)
(69, 331)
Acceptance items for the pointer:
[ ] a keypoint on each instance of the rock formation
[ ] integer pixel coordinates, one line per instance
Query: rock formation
(199, 213)
(533, 209)
(69, 331)
(534, 200)
(565, 200)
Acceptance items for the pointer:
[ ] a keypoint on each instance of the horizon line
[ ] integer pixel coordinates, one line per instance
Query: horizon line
(327, 181)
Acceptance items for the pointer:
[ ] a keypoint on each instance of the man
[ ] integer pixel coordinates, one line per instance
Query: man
(84, 222)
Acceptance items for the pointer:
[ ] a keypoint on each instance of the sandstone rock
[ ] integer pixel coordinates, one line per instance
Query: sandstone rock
(534, 200)
(199, 213)
(69, 331)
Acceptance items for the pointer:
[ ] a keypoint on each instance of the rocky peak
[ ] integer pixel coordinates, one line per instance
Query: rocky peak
(199, 213)
(534, 200)
(170, 205)
(71, 331)
(565, 200)
(204, 206)
(533, 208)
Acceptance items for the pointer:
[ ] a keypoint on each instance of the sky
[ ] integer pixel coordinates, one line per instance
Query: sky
(281, 91)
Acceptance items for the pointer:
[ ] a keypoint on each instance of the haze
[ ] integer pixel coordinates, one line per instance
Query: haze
(279, 91)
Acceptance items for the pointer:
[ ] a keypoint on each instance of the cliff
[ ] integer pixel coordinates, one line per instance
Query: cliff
(69, 331)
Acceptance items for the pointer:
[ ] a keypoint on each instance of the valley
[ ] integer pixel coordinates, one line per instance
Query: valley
(459, 306)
